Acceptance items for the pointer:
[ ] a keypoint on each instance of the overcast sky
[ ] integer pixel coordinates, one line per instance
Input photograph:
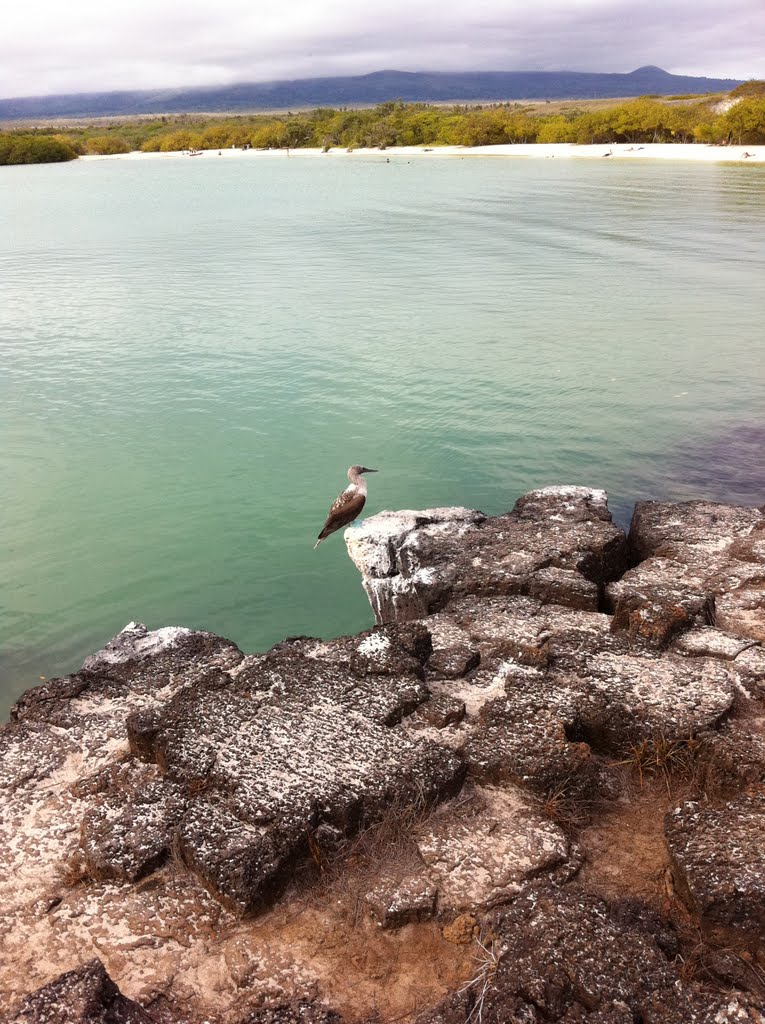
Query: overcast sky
(49, 46)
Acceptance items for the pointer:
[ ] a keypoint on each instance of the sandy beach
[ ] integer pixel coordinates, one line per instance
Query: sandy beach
(551, 151)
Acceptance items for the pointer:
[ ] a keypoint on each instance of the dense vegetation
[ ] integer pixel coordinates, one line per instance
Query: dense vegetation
(644, 120)
(31, 148)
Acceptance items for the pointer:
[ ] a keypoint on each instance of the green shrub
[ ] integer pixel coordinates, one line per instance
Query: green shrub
(106, 145)
(34, 149)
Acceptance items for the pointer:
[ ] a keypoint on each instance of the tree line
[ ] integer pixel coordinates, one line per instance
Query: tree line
(740, 120)
(30, 148)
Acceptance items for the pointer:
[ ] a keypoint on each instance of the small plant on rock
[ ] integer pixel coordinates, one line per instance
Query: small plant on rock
(487, 961)
(665, 759)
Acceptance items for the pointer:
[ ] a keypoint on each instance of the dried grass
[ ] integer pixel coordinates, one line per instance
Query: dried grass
(566, 808)
(721, 966)
(487, 961)
(669, 761)
(73, 872)
(350, 868)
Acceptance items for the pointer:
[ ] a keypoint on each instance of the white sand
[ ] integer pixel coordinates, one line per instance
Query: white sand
(557, 151)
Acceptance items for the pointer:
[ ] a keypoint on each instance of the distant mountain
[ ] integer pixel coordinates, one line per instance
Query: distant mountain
(378, 87)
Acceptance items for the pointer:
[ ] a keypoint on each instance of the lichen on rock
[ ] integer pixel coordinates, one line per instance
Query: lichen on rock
(204, 822)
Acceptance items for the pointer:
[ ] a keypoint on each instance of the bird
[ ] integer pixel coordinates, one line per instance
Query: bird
(348, 504)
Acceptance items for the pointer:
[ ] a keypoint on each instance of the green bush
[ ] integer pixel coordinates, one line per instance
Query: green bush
(34, 149)
(754, 87)
(643, 120)
(106, 145)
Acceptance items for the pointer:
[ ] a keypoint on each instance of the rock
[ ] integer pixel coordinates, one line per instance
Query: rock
(251, 825)
(30, 754)
(395, 595)
(750, 665)
(497, 627)
(462, 930)
(521, 740)
(293, 744)
(657, 600)
(128, 839)
(345, 672)
(717, 853)
(86, 995)
(567, 587)
(483, 853)
(243, 865)
(525, 632)
(695, 533)
(50, 702)
(626, 699)
(137, 662)
(562, 952)
(142, 728)
(563, 956)
(543, 731)
(396, 902)
(138, 651)
(743, 610)
(733, 757)
(558, 544)
(472, 854)
(442, 711)
(395, 651)
(455, 661)
(698, 560)
(709, 642)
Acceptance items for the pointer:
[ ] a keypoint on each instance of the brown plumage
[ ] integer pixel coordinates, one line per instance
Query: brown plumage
(348, 504)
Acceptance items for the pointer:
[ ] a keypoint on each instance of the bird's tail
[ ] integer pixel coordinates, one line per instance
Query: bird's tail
(317, 543)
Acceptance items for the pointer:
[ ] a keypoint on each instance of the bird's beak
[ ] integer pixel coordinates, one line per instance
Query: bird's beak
(369, 470)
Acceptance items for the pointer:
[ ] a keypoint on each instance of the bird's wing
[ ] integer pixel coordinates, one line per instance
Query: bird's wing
(345, 508)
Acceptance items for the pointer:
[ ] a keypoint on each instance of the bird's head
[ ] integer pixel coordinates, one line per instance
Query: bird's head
(355, 471)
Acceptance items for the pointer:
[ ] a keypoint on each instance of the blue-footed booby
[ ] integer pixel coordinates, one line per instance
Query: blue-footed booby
(348, 504)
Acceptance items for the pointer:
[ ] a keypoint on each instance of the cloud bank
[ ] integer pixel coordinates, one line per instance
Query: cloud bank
(88, 45)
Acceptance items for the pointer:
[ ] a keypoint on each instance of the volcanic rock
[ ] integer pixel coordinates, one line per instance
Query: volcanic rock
(717, 852)
(226, 832)
(86, 995)
(290, 746)
(699, 560)
(556, 956)
(558, 544)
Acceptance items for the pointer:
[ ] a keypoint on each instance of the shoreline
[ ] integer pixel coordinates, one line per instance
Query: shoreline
(693, 152)
(171, 806)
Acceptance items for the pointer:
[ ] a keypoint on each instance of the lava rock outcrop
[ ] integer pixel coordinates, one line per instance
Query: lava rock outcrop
(418, 794)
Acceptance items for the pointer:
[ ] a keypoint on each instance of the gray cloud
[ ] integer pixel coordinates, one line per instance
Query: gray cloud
(47, 46)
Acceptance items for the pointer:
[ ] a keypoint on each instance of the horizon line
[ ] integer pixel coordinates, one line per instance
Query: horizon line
(367, 74)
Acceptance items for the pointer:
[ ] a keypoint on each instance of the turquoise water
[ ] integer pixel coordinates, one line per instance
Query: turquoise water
(194, 351)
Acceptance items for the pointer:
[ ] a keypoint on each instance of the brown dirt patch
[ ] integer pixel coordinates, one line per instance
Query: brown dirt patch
(362, 970)
(626, 855)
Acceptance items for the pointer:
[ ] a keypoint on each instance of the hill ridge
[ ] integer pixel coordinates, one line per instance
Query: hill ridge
(359, 90)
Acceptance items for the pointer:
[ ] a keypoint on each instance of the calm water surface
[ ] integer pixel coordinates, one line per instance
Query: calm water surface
(194, 351)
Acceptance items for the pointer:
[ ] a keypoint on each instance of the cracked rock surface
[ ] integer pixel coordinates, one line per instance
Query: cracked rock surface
(396, 822)
(412, 563)
(561, 957)
(718, 853)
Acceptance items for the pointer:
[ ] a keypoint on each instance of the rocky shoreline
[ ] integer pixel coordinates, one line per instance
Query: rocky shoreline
(535, 791)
